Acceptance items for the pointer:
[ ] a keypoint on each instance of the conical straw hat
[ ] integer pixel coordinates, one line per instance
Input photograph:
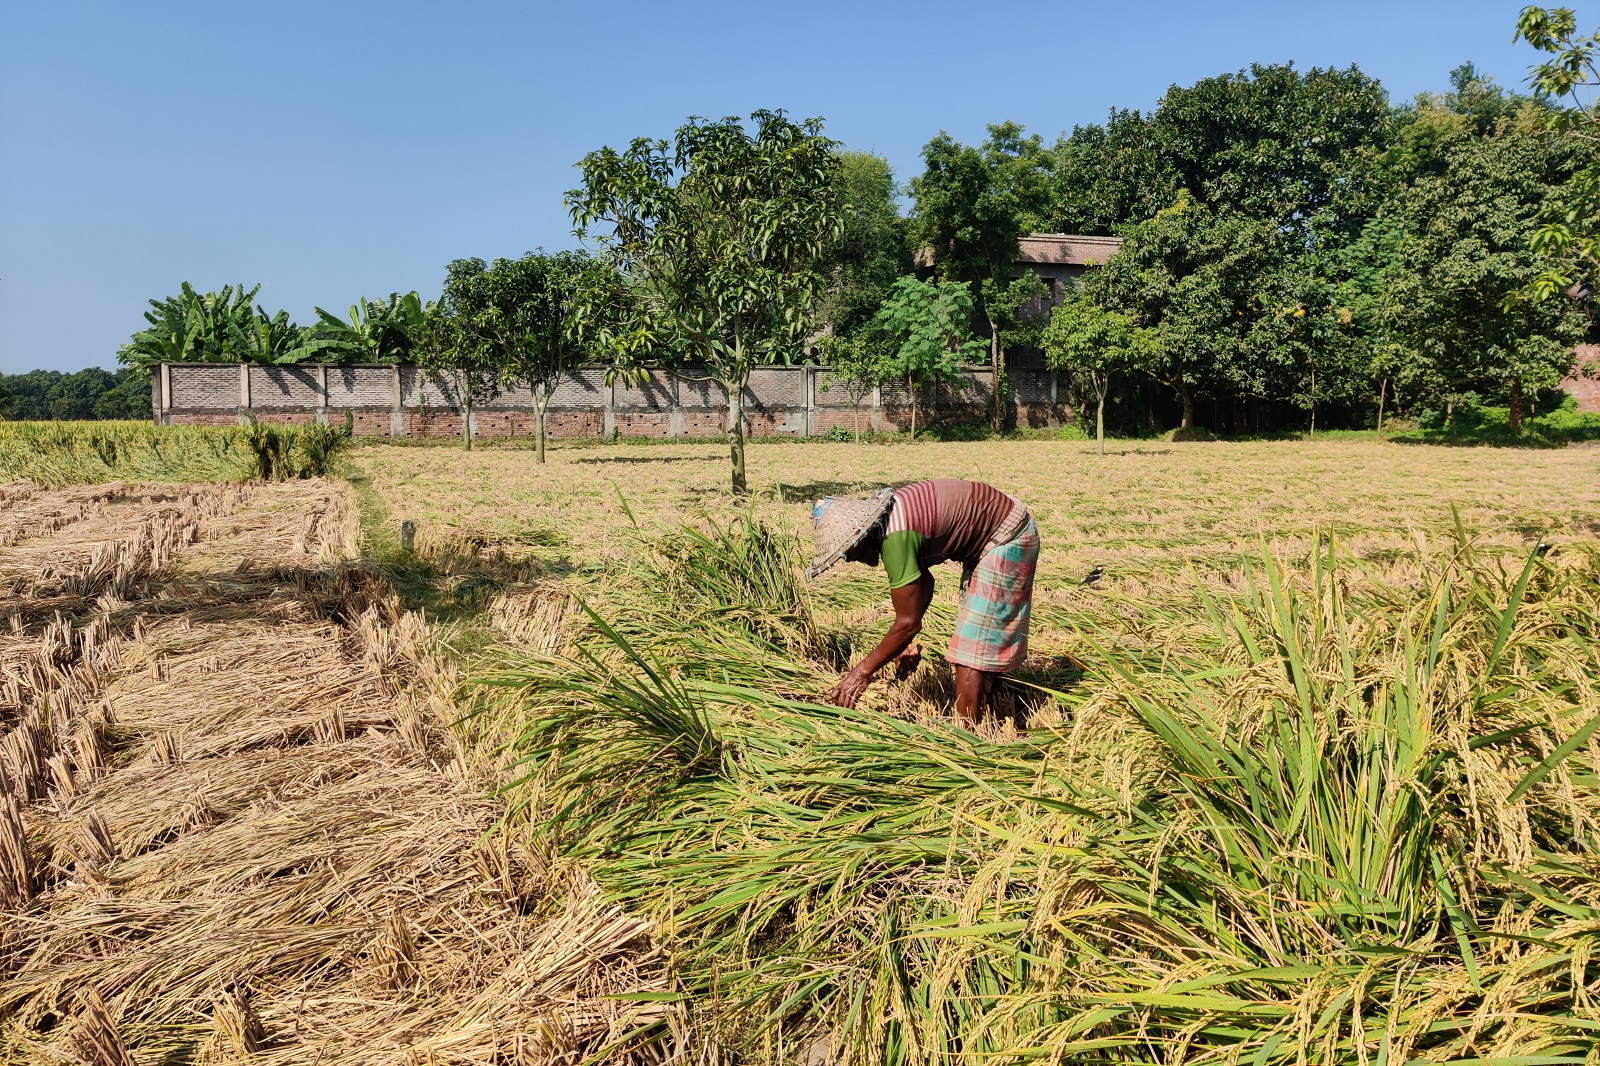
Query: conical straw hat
(840, 522)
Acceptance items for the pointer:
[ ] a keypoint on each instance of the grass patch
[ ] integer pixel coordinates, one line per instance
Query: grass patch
(76, 453)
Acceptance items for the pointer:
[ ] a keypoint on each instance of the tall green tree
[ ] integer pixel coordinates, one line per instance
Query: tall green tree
(1095, 344)
(1192, 276)
(522, 313)
(451, 342)
(1567, 237)
(719, 239)
(972, 206)
(872, 249)
(1464, 253)
(930, 323)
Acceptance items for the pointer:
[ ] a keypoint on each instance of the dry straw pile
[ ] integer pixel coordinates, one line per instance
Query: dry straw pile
(232, 823)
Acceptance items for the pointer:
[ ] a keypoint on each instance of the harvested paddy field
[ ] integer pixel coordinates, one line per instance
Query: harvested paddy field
(233, 822)
(1313, 777)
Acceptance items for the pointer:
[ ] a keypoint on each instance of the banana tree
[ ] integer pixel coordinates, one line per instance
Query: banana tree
(377, 331)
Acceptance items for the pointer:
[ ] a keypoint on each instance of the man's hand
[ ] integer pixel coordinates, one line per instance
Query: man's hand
(850, 687)
(907, 662)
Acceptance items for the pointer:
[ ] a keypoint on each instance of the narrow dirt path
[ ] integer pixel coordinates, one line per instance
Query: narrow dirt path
(233, 820)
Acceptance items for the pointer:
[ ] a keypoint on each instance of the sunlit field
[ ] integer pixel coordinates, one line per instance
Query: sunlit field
(1143, 509)
(1312, 776)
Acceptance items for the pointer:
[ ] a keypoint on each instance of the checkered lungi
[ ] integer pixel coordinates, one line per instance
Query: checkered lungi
(996, 600)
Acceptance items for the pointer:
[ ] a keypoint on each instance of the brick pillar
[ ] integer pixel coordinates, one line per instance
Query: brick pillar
(322, 393)
(165, 389)
(397, 412)
(876, 418)
(608, 421)
(675, 412)
(244, 393)
(808, 382)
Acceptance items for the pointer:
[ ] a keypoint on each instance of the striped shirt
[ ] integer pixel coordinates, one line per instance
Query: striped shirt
(945, 521)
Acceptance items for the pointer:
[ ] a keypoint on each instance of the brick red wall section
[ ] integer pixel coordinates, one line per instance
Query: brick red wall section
(1584, 384)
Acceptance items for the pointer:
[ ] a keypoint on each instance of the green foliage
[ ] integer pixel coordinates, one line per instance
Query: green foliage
(76, 453)
(376, 331)
(518, 318)
(972, 204)
(1092, 344)
(857, 364)
(1274, 144)
(928, 321)
(1309, 815)
(872, 249)
(1462, 251)
(92, 393)
(719, 241)
(1567, 238)
(215, 327)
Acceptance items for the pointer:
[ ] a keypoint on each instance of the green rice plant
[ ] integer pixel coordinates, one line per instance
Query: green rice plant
(1315, 816)
(70, 453)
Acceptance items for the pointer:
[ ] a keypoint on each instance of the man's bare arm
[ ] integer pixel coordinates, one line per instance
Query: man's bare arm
(910, 604)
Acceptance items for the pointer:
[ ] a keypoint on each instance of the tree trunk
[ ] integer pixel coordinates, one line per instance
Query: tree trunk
(1312, 432)
(1188, 405)
(1383, 388)
(466, 413)
(995, 354)
(1100, 388)
(735, 394)
(540, 405)
(858, 419)
(1514, 410)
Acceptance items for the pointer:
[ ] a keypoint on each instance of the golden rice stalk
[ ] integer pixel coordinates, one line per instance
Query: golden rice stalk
(329, 729)
(91, 846)
(163, 749)
(239, 1029)
(89, 748)
(21, 755)
(394, 954)
(196, 814)
(16, 863)
(61, 773)
(96, 1039)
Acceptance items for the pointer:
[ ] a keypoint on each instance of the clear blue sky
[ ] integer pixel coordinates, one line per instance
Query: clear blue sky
(332, 150)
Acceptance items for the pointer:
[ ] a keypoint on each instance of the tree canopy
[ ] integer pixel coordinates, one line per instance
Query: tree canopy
(719, 238)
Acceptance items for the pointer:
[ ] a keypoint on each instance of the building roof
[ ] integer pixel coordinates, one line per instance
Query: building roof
(1067, 249)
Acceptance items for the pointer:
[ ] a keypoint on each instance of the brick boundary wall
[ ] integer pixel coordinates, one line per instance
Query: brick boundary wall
(1584, 383)
(406, 401)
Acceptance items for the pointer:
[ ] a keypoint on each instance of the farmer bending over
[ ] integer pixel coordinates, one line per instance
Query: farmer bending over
(988, 532)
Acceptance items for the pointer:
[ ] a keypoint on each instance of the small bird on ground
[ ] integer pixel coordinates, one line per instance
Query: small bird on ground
(1092, 578)
(1546, 549)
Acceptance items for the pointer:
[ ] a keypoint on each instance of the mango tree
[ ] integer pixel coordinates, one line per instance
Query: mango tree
(718, 239)
(1094, 343)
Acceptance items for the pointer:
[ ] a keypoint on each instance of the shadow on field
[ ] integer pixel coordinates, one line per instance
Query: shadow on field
(654, 459)
(815, 490)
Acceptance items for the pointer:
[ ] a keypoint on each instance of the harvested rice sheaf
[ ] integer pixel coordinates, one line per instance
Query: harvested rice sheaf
(1301, 813)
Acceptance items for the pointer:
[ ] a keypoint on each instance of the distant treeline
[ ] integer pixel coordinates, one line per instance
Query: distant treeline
(50, 395)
